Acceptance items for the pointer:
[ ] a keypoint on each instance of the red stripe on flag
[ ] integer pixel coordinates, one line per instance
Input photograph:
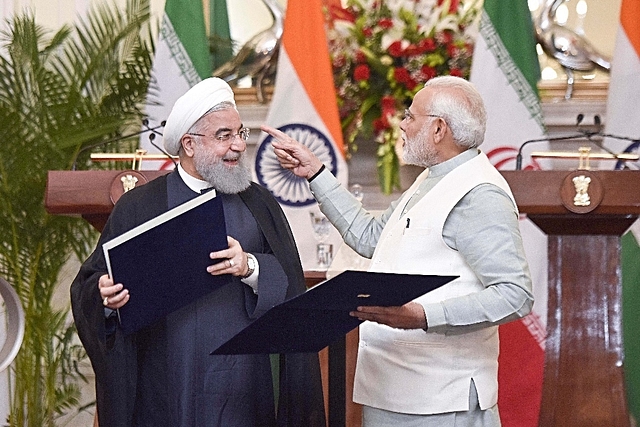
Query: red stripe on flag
(520, 372)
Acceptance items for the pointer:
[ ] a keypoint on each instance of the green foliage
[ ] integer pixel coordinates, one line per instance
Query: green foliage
(59, 93)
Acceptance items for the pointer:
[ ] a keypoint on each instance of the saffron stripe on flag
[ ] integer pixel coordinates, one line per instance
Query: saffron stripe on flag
(304, 106)
(314, 75)
(629, 19)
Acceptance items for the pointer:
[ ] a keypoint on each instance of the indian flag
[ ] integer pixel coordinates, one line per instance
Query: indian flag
(622, 119)
(303, 106)
(505, 70)
(181, 60)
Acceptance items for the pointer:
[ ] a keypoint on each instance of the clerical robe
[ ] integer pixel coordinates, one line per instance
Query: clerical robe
(164, 375)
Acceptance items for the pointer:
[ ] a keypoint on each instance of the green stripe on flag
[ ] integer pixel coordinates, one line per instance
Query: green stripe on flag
(523, 81)
(631, 319)
(187, 19)
(222, 46)
(517, 35)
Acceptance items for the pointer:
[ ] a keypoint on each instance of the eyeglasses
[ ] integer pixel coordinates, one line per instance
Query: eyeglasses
(408, 115)
(243, 133)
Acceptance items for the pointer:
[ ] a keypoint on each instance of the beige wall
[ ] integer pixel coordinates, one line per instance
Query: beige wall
(248, 17)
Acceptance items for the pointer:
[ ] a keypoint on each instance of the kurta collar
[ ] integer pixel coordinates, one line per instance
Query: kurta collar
(445, 167)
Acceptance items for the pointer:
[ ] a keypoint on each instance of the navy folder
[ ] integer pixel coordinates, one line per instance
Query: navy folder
(317, 318)
(163, 262)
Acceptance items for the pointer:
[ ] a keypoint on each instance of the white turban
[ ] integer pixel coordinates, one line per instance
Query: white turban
(191, 106)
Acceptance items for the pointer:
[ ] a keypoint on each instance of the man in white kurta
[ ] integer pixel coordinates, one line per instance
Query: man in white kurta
(433, 361)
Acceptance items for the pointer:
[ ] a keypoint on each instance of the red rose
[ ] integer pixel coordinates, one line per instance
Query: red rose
(361, 72)
(385, 23)
(446, 37)
(380, 124)
(401, 75)
(456, 72)
(388, 103)
(412, 49)
(427, 45)
(411, 83)
(453, 6)
(395, 49)
(367, 32)
(360, 58)
(428, 72)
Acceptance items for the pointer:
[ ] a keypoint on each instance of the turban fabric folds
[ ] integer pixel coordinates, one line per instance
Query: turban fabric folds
(192, 106)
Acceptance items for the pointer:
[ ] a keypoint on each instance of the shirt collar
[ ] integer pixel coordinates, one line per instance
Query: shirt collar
(447, 166)
(192, 182)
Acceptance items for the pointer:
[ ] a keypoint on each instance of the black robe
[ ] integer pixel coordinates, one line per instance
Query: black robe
(134, 386)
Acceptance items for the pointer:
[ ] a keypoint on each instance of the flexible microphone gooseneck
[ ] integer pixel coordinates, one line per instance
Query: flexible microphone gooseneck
(588, 134)
(154, 132)
(145, 123)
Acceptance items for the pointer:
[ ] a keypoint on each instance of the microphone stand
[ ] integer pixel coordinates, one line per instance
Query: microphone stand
(145, 123)
(581, 134)
(153, 131)
(558, 138)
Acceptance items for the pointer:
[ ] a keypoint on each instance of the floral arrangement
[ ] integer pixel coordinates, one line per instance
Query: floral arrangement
(382, 52)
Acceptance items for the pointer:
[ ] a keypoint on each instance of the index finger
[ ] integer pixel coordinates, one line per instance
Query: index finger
(276, 133)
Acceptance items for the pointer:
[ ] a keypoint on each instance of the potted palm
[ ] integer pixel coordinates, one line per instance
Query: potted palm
(59, 93)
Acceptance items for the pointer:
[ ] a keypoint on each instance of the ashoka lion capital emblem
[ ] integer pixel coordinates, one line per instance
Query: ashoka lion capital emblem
(581, 184)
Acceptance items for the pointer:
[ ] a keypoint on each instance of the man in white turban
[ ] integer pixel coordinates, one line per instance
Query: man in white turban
(164, 375)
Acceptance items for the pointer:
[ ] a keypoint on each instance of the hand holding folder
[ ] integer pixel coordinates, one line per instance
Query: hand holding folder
(163, 262)
(320, 316)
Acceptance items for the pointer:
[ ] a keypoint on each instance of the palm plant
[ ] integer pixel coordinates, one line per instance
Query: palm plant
(59, 93)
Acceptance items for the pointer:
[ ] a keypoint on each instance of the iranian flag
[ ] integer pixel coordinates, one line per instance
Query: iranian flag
(182, 59)
(623, 119)
(505, 70)
(304, 107)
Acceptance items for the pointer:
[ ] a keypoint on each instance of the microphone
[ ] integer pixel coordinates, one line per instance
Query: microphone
(152, 136)
(558, 138)
(581, 134)
(153, 130)
(579, 120)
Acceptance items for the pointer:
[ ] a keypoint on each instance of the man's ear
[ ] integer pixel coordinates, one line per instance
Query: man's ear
(188, 142)
(440, 130)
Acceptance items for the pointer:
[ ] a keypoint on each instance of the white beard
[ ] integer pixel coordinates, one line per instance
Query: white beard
(225, 179)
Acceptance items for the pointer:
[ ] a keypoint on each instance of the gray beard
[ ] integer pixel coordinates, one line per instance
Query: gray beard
(416, 152)
(225, 179)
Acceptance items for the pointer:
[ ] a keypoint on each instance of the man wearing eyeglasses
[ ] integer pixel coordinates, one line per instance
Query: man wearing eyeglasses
(434, 361)
(164, 374)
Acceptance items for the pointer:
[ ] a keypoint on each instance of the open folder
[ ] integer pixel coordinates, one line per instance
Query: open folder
(320, 316)
(163, 262)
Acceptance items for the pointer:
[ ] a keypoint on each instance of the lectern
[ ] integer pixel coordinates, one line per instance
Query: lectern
(91, 194)
(584, 214)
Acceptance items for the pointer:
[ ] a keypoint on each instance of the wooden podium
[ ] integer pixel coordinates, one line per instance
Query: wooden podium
(583, 374)
(584, 219)
(90, 194)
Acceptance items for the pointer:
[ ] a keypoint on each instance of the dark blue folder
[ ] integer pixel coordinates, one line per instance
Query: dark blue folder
(163, 262)
(320, 316)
